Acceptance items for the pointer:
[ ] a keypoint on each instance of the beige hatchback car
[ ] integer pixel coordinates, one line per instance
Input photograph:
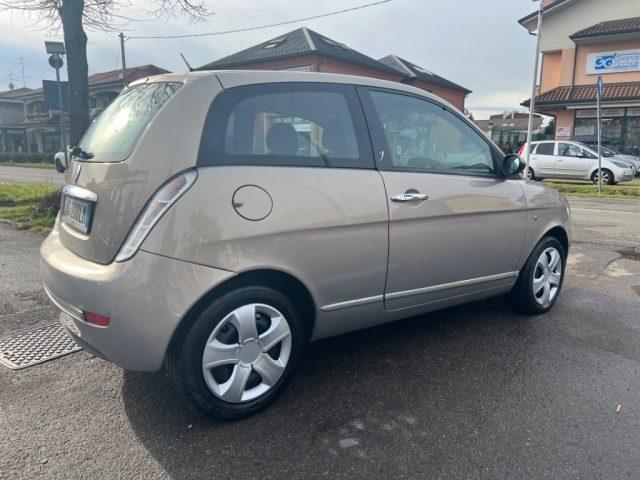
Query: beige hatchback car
(216, 222)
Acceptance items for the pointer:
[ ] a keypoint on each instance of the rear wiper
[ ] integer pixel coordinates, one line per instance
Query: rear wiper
(80, 153)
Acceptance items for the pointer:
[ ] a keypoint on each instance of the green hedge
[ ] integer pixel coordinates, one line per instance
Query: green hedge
(9, 157)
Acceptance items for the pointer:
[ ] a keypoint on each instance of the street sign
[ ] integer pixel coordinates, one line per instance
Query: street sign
(55, 61)
(54, 47)
(50, 91)
(600, 87)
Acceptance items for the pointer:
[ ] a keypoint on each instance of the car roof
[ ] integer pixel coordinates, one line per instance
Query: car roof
(236, 78)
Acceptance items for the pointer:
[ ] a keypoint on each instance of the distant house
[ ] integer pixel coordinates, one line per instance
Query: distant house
(304, 50)
(12, 133)
(41, 125)
(509, 126)
(426, 80)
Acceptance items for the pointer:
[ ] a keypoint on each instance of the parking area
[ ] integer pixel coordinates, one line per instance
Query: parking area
(470, 392)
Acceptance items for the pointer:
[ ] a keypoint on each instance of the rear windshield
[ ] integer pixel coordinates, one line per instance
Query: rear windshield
(114, 134)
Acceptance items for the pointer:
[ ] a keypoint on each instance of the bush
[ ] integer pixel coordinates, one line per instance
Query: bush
(50, 203)
(19, 157)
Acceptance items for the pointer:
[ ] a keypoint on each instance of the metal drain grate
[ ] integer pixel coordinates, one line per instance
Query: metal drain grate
(36, 346)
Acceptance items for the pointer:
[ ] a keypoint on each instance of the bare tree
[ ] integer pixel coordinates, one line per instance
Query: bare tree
(74, 16)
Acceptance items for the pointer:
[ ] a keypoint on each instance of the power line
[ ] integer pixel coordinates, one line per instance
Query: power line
(259, 27)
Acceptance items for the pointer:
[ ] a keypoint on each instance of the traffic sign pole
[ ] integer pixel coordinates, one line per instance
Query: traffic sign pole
(600, 86)
(56, 50)
(57, 63)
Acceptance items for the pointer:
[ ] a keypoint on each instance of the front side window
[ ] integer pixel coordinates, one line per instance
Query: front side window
(545, 149)
(425, 136)
(569, 150)
(286, 124)
(114, 134)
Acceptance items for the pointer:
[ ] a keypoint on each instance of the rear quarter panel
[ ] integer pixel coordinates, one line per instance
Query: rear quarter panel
(168, 145)
(327, 227)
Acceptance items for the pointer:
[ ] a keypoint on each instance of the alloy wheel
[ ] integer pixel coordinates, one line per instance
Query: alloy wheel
(547, 276)
(605, 177)
(247, 353)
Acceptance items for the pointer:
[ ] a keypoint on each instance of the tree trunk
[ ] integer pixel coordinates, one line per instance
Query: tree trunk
(75, 40)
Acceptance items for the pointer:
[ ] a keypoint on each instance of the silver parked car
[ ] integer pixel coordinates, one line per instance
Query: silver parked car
(566, 159)
(217, 222)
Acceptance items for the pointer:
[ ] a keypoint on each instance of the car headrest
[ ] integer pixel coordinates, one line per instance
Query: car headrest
(282, 139)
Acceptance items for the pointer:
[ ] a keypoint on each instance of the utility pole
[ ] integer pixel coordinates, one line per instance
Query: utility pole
(124, 61)
(532, 105)
(22, 69)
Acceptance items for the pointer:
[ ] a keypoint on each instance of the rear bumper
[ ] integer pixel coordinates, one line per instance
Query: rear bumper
(145, 298)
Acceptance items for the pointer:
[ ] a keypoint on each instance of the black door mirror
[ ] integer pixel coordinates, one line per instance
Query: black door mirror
(512, 165)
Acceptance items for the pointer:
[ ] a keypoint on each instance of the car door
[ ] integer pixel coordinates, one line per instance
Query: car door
(572, 161)
(455, 226)
(543, 161)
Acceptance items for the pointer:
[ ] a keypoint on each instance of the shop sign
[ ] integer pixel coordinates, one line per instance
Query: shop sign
(587, 113)
(613, 112)
(613, 62)
(563, 132)
(633, 112)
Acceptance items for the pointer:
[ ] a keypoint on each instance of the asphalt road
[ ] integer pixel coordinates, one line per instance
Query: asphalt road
(604, 220)
(472, 392)
(30, 175)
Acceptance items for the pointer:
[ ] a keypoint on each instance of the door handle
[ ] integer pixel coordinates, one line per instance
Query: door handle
(409, 197)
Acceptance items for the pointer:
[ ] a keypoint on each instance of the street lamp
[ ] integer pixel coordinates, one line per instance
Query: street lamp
(56, 50)
(532, 104)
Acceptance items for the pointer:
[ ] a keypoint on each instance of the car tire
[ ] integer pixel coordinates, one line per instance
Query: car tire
(526, 295)
(204, 387)
(607, 177)
(58, 164)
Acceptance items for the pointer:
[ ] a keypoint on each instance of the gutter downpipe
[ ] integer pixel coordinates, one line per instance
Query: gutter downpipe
(532, 104)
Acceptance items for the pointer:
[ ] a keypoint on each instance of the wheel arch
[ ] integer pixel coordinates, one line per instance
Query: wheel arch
(560, 234)
(284, 282)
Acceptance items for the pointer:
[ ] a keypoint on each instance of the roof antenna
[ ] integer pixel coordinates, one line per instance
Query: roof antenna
(186, 62)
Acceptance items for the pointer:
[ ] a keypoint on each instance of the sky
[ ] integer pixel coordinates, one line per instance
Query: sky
(477, 44)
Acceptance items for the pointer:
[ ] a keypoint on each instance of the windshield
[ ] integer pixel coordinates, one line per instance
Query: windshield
(114, 134)
(606, 151)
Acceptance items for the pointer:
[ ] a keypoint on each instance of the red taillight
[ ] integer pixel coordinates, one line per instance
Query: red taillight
(96, 319)
(521, 151)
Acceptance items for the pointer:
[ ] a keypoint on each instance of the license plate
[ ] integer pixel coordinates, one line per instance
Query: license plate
(77, 213)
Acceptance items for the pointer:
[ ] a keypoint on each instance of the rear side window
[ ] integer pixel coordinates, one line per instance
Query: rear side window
(114, 134)
(299, 124)
(545, 149)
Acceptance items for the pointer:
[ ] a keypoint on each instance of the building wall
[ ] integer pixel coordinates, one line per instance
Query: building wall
(453, 96)
(551, 70)
(558, 26)
(330, 65)
(11, 112)
(564, 119)
(282, 64)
